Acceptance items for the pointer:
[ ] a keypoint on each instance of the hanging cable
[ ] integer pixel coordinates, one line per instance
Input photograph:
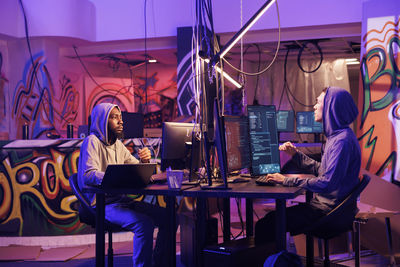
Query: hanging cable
(275, 55)
(35, 69)
(321, 56)
(145, 56)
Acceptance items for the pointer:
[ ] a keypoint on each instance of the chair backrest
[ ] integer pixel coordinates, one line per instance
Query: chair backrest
(87, 213)
(341, 218)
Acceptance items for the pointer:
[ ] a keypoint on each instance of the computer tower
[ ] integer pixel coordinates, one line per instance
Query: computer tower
(187, 237)
(237, 253)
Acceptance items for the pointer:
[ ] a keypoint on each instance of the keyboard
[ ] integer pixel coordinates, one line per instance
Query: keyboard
(262, 180)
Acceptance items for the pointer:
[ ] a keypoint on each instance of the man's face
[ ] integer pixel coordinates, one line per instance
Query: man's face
(319, 107)
(115, 123)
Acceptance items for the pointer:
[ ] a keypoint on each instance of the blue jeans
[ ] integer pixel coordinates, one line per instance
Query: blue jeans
(141, 218)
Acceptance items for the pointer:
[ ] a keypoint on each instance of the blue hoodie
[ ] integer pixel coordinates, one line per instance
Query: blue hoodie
(337, 173)
(96, 153)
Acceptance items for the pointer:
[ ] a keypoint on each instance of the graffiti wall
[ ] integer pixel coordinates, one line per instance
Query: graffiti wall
(41, 104)
(379, 97)
(46, 92)
(35, 196)
(158, 102)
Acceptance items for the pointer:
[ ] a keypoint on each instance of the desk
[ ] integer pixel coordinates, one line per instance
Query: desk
(249, 191)
(155, 189)
(366, 212)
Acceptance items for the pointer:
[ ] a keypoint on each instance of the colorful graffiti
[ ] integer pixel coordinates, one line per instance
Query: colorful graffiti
(35, 196)
(131, 94)
(379, 98)
(35, 105)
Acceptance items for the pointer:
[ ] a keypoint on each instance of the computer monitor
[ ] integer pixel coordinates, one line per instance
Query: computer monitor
(133, 124)
(305, 123)
(285, 121)
(176, 139)
(237, 142)
(263, 136)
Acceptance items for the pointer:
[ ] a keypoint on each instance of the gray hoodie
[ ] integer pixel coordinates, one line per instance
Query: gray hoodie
(96, 153)
(337, 173)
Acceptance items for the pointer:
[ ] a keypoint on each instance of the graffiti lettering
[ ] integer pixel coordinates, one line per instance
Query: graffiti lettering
(391, 71)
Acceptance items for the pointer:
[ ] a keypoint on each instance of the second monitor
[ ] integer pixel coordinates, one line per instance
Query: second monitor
(305, 123)
(285, 121)
(176, 144)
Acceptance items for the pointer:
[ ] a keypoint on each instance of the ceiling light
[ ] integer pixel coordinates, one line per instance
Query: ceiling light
(242, 31)
(352, 61)
(152, 60)
(226, 75)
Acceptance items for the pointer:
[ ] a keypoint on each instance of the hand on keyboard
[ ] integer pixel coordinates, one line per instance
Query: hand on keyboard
(263, 180)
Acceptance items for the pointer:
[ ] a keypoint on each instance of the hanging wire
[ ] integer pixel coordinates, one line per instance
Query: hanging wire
(35, 69)
(275, 55)
(321, 56)
(145, 56)
(241, 76)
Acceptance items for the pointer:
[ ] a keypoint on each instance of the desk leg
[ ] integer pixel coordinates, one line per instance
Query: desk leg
(200, 230)
(249, 217)
(227, 219)
(280, 224)
(171, 224)
(100, 217)
(390, 241)
(357, 243)
(309, 239)
(309, 251)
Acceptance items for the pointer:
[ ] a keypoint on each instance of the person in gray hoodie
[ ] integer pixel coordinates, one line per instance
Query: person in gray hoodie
(103, 147)
(335, 176)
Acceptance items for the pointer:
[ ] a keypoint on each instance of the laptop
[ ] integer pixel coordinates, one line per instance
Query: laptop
(128, 175)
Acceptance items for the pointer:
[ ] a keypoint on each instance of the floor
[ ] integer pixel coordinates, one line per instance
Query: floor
(125, 260)
(83, 255)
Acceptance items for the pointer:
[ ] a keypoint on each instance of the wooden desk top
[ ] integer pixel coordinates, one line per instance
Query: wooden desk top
(368, 211)
(246, 190)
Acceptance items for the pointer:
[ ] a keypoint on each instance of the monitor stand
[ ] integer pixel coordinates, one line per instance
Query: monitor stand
(317, 138)
(195, 159)
(214, 186)
(210, 185)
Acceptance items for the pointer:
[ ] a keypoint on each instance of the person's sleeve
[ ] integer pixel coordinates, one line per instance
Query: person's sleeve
(92, 173)
(305, 163)
(337, 159)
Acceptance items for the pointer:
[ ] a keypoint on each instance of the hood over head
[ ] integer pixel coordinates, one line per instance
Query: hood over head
(339, 110)
(99, 120)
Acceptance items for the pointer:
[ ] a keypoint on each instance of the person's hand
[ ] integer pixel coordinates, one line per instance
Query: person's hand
(276, 178)
(144, 154)
(289, 148)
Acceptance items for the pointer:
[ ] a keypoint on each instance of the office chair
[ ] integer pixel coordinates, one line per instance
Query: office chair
(337, 221)
(87, 214)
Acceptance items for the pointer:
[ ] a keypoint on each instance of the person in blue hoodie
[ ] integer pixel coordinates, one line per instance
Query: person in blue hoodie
(103, 147)
(335, 176)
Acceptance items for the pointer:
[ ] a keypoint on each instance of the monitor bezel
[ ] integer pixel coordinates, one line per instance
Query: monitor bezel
(253, 173)
(291, 111)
